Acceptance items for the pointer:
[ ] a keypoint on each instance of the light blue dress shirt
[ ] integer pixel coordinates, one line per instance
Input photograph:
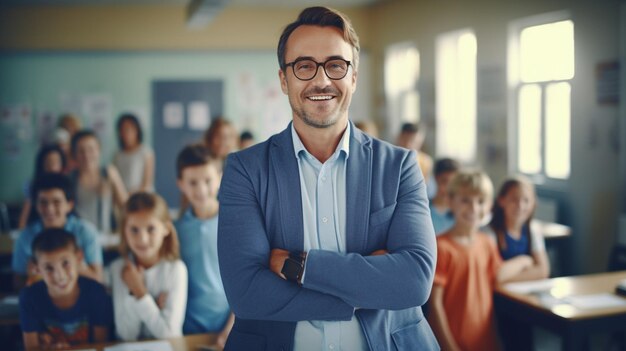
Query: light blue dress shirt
(324, 214)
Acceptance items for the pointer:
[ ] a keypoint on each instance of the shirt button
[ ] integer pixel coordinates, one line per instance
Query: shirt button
(325, 220)
(324, 178)
(331, 346)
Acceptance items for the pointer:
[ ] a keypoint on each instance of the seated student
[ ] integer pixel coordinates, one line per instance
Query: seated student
(149, 281)
(512, 229)
(468, 267)
(443, 219)
(207, 307)
(64, 309)
(54, 201)
(511, 223)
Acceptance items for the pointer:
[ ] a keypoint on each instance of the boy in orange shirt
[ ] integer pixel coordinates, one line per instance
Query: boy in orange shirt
(468, 268)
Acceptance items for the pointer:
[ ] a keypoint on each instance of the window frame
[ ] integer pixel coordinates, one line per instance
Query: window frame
(514, 85)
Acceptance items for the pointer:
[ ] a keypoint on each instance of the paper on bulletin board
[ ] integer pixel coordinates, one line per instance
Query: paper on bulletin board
(173, 117)
(98, 114)
(199, 115)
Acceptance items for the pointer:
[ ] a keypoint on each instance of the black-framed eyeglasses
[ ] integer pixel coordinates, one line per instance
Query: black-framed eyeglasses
(306, 69)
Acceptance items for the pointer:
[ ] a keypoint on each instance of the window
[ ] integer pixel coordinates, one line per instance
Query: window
(541, 66)
(402, 69)
(456, 95)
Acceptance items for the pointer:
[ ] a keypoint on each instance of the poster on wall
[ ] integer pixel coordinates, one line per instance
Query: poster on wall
(98, 112)
(17, 129)
(46, 123)
(173, 117)
(199, 116)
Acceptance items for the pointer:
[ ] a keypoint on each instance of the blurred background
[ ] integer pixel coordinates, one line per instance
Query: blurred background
(527, 87)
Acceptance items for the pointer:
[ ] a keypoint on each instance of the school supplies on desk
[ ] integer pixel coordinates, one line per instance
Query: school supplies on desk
(142, 346)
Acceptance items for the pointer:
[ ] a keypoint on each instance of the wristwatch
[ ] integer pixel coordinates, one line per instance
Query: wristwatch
(293, 268)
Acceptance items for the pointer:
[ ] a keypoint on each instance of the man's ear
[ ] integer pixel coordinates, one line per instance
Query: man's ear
(354, 79)
(70, 203)
(283, 81)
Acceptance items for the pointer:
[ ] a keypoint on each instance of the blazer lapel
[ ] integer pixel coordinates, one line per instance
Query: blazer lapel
(358, 191)
(287, 182)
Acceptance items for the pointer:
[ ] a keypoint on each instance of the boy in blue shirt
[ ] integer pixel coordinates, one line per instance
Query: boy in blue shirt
(199, 179)
(54, 200)
(63, 309)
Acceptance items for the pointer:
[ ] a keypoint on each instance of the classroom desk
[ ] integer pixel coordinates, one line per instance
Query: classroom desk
(548, 309)
(195, 342)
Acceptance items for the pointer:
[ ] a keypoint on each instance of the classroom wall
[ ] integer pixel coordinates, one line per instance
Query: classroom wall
(48, 84)
(589, 200)
(148, 27)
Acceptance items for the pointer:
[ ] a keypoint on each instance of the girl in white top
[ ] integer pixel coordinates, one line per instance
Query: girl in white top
(99, 190)
(134, 160)
(149, 281)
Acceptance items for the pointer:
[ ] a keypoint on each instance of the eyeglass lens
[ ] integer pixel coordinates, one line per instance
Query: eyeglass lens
(307, 69)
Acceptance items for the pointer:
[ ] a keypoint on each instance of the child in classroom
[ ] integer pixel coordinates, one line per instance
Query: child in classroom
(134, 160)
(50, 159)
(221, 138)
(54, 202)
(515, 234)
(98, 188)
(149, 281)
(468, 268)
(444, 170)
(63, 309)
(199, 178)
(513, 228)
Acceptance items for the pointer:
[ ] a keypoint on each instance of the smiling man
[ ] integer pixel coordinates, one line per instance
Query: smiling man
(325, 240)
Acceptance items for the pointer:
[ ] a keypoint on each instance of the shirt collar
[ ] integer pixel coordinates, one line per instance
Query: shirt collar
(343, 146)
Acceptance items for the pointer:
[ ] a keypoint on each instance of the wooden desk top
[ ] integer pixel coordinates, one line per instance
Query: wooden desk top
(195, 342)
(553, 298)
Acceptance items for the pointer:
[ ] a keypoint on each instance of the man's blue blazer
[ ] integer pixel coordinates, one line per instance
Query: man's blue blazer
(387, 208)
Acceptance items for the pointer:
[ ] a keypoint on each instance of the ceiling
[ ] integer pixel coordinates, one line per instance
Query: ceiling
(250, 3)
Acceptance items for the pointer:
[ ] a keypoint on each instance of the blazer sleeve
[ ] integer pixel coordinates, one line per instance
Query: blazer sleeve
(400, 279)
(252, 289)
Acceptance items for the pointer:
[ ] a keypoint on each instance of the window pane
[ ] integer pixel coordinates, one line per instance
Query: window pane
(529, 129)
(547, 52)
(558, 130)
(456, 95)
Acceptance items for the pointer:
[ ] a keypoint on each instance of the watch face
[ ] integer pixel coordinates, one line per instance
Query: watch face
(291, 269)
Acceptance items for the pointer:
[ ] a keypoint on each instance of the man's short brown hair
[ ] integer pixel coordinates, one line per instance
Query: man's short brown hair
(324, 17)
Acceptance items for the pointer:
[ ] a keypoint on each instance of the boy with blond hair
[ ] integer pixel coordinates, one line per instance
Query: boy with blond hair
(468, 268)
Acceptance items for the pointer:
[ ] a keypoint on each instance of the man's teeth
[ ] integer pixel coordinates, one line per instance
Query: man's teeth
(325, 97)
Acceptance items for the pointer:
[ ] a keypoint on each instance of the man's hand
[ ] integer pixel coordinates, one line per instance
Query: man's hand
(277, 261)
